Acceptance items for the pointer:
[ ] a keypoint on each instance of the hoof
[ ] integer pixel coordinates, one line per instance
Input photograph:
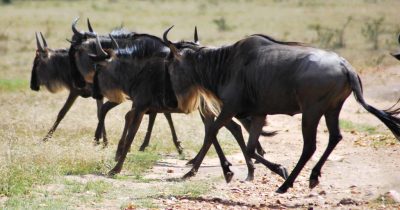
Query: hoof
(283, 172)
(313, 183)
(249, 178)
(188, 175)
(105, 144)
(281, 190)
(96, 141)
(113, 172)
(191, 162)
(180, 150)
(141, 149)
(228, 176)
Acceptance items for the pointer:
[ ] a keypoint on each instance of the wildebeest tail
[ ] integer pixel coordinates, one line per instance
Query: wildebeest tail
(96, 93)
(387, 117)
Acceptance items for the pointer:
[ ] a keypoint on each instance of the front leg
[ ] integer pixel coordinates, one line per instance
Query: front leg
(73, 95)
(210, 137)
(135, 118)
(102, 112)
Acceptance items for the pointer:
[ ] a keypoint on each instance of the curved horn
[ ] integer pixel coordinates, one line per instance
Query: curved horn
(165, 39)
(89, 26)
(38, 45)
(43, 40)
(196, 37)
(113, 42)
(99, 49)
(74, 27)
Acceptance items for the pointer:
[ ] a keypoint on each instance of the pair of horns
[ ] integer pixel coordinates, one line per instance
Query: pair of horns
(99, 48)
(91, 32)
(165, 39)
(38, 44)
(171, 46)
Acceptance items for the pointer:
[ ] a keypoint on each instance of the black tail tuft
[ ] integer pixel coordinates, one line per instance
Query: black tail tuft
(388, 117)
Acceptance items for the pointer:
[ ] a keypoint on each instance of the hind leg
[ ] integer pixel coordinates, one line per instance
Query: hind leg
(309, 125)
(152, 118)
(332, 122)
(257, 124)
(177, 143)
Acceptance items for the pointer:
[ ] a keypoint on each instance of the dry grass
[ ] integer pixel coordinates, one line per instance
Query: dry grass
(26, 162)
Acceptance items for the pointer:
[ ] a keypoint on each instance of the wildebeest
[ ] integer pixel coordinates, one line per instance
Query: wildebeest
(140, 73)
(257, 76)
(51, 68)
(83, 72)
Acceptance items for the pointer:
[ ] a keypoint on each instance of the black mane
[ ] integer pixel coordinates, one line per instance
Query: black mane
(279, 42)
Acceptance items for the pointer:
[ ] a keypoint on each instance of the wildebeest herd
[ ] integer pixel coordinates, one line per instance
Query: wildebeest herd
(248, 80)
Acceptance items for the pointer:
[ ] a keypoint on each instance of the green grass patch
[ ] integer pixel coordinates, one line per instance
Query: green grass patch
(137, 163)
(97, 187)
(190, 188)
(351, 127)
(13, 84)
(18, 179)
(35, 202)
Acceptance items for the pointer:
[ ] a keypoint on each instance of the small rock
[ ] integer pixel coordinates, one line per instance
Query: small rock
(347, 201)
(394, 195)
(170, 171)
(322, 192)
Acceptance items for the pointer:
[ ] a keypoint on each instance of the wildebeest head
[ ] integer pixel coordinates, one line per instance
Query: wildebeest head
(50, 67)
(76, 52)
(181, 64)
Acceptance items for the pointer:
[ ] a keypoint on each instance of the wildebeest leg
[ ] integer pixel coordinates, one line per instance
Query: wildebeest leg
(61, 114)
(309, 125)
(257, 123)
(135, 118)
(216, 145)
(236, 131)
(332, 122)
(152, 118)
(228, 174)
(246, 122)
(128, 119)
(209, 138)
(177, 143)
(102, 115)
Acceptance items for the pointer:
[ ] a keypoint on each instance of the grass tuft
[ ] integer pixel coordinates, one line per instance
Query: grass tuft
(13, 84)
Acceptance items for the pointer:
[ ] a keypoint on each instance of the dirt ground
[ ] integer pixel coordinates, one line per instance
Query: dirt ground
(357, 175)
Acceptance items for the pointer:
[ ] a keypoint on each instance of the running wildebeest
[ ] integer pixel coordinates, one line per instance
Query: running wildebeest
(257, 76)
(83, 72)
(51, 68)
(140, 72)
